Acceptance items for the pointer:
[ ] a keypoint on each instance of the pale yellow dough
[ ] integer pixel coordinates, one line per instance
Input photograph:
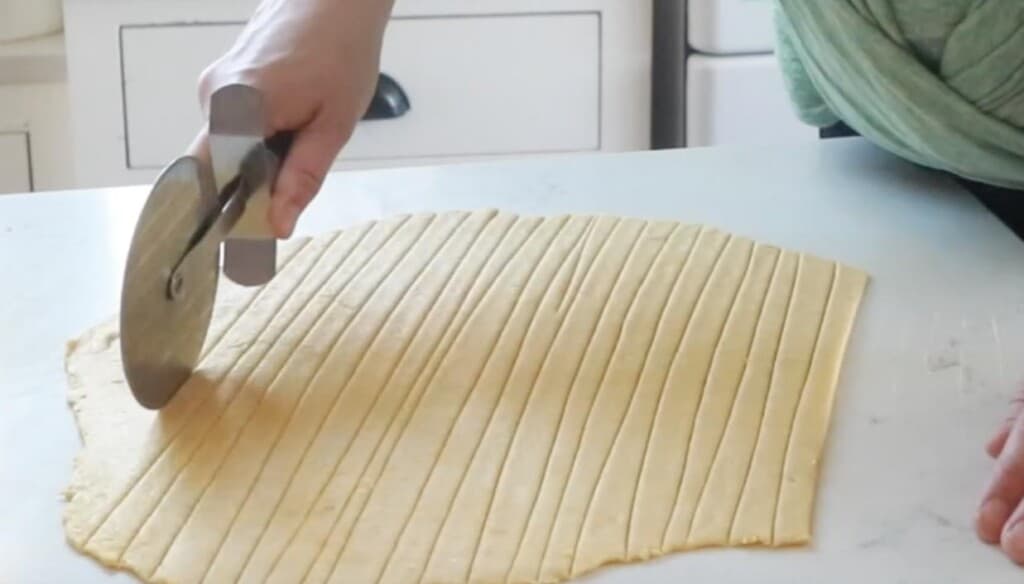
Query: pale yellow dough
(473, 397)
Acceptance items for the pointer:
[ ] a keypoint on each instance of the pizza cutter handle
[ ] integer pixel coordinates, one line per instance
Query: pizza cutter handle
(279, 145)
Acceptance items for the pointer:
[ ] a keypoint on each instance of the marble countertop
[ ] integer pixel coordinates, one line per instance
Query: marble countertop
(929, 371)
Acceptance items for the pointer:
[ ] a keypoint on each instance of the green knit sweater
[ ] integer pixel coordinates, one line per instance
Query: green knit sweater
(939, 82)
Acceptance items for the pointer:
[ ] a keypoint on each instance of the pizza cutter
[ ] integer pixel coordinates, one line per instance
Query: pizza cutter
(195, 208)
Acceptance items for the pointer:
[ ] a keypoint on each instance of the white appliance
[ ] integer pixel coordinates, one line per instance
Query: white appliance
(735, 92)
(20, 19)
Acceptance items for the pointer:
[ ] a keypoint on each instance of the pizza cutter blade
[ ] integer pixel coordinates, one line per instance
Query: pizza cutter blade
(163, 325)
(173, 266)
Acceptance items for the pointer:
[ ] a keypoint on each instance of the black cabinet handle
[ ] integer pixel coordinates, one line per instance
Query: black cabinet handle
(389, 101)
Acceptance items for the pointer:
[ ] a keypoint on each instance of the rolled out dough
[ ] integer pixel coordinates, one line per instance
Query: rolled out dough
(473, 396)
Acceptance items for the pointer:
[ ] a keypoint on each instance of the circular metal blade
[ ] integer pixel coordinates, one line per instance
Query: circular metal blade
(161, 336)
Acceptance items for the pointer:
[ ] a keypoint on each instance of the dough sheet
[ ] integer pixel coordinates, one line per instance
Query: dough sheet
(473, 397)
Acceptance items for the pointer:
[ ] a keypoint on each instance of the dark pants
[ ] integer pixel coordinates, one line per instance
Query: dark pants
(1007, 204)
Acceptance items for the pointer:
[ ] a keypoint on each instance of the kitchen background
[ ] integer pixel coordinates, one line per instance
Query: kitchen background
(103, 92)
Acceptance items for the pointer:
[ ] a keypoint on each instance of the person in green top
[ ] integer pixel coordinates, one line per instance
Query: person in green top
(937, 82)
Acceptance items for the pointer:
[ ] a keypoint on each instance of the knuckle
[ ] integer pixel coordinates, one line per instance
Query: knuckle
(1011, 466)
(226, 70)
(278, 118)
(307, 183)
(343, 129)
(334, 130)
(206, 84)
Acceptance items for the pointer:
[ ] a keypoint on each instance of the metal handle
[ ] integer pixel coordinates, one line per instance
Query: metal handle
(389, 100)
(252, 261)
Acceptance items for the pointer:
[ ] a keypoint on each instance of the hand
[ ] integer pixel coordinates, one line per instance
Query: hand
(316, 64)
(1001, 515)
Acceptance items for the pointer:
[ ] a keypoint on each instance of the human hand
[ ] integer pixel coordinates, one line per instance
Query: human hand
(316, 64)
(1001, 514)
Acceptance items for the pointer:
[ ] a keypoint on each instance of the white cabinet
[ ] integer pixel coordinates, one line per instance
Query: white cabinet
(35, 135)
(35, 116)
(483, 80)
(500, 97)
(739, 100)
(15, 166)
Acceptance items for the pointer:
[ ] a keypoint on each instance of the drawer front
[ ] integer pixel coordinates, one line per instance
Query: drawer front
(15, 166)
(739, 100)
(731, 26)
(476, 85)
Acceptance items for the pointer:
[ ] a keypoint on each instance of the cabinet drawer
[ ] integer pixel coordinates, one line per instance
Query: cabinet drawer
(476, 85)
(731, 26)
(739, 100)
(15, 168)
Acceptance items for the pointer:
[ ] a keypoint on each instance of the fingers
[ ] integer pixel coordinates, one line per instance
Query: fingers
(1001, 519)
(1012, 537)
(209, 80)
(1004, 493)
(998, 441)
(200, 146)
(995, 445)
(305, 167)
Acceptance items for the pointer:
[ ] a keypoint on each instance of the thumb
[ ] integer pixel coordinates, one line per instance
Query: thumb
(302, 174)
(200, 146)
(998, 442)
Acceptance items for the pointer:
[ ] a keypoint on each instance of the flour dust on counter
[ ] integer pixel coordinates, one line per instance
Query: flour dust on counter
(473, 396)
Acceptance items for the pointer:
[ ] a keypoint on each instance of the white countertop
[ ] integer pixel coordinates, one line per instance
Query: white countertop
(928, 375)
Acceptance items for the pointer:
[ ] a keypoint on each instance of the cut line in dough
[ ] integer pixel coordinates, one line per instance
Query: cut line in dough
(473, 397)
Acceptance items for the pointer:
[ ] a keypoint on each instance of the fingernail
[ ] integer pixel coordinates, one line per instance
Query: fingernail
(992, 518)
(288, 220)
(283, 218)
(1013, 542)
